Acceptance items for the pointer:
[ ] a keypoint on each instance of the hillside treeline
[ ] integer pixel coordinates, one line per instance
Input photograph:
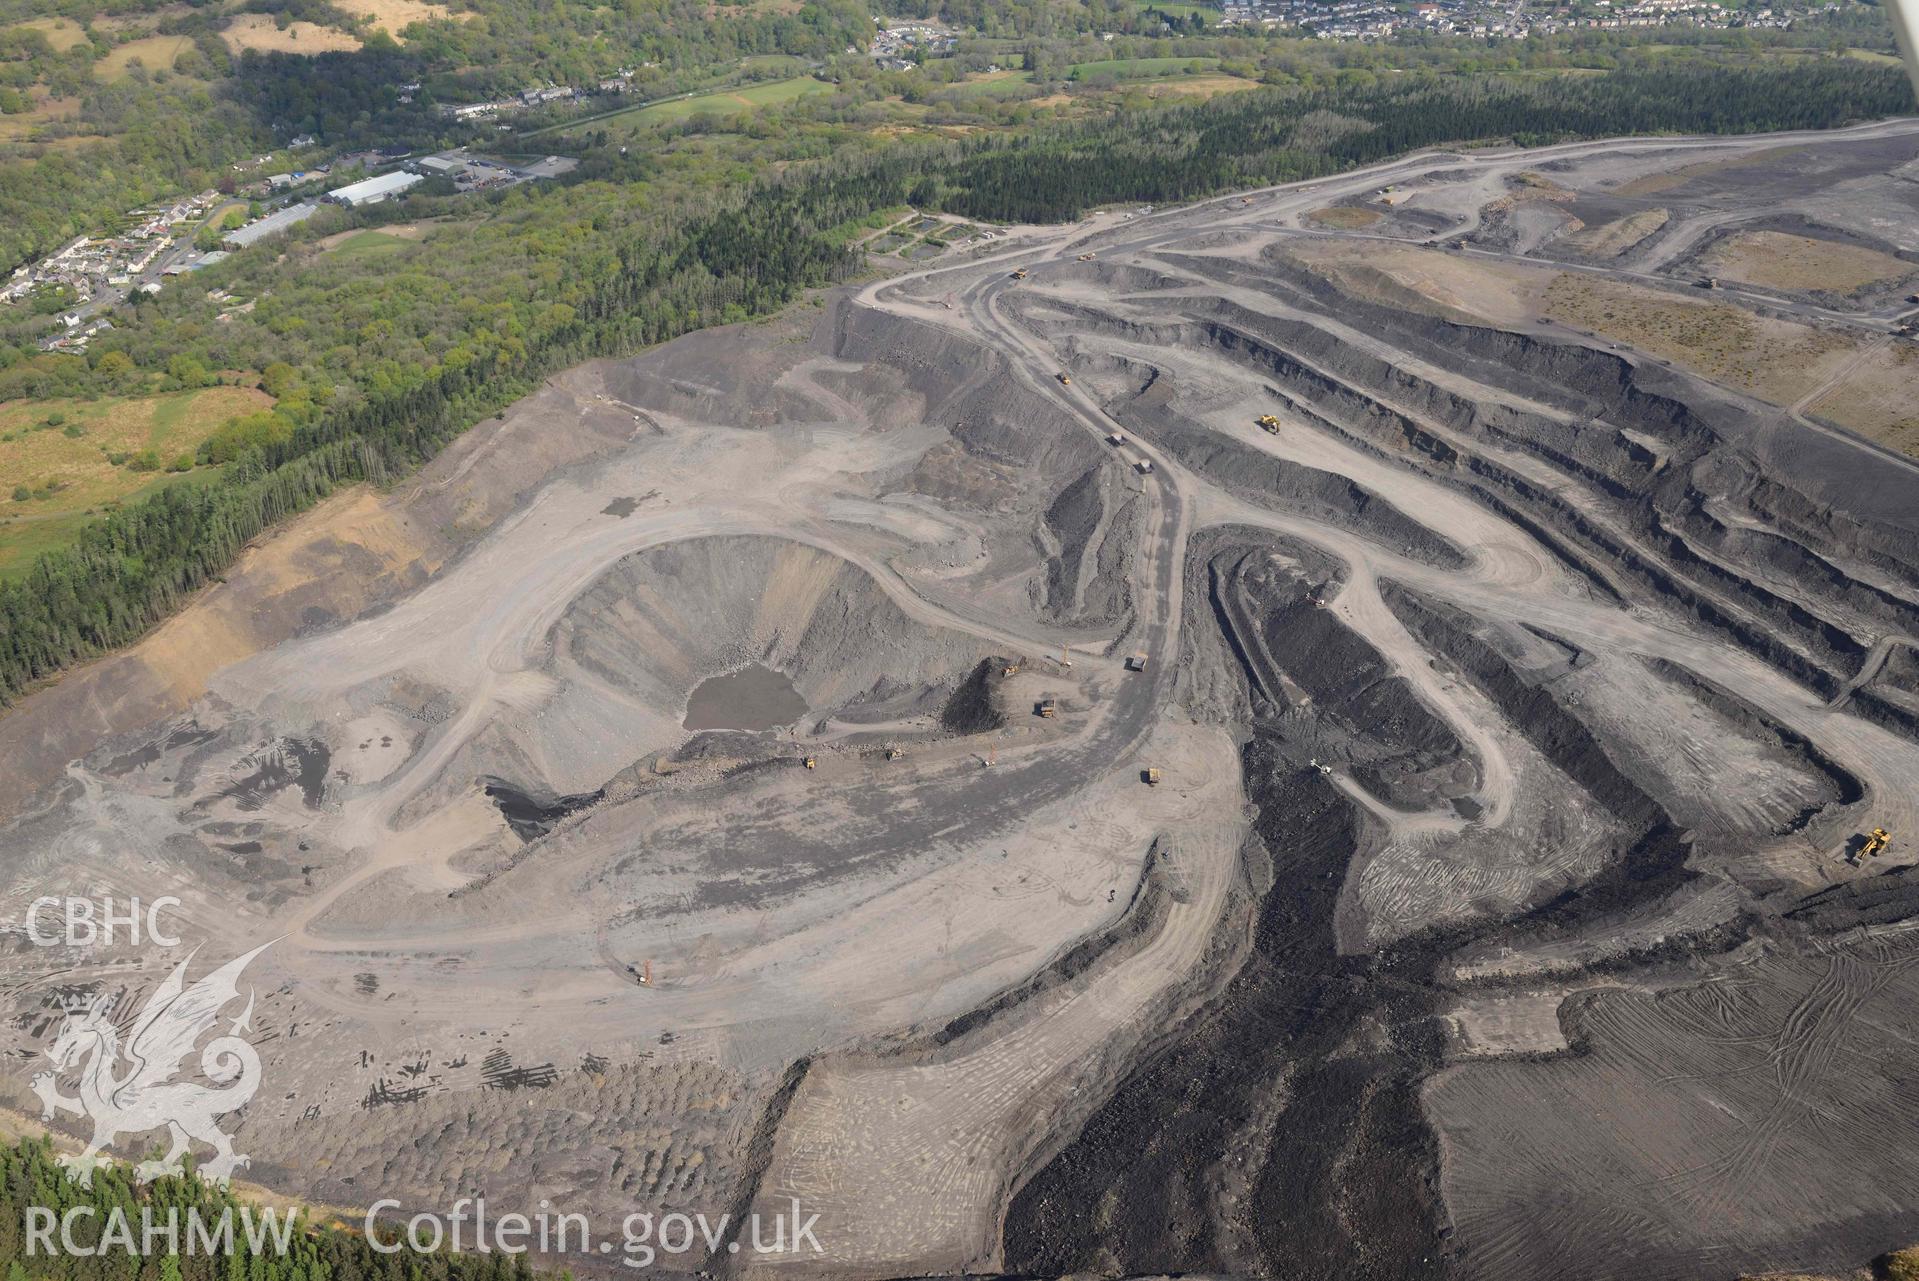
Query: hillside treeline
(1244, 140)
(580, 280)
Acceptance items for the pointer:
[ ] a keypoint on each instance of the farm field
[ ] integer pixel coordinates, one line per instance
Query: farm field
(1205, 13)
(991, 84)
(1197, 86)
(155, 53)
(258, 31)
(743, 99)
(395, 16)
(369, 243)
(61, 33)
(73, 454)
(1141, 68)
(719, 102)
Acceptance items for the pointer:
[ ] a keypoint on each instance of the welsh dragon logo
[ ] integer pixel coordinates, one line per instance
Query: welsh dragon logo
(144, 1096)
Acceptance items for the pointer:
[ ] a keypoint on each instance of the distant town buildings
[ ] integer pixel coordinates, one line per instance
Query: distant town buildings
(891, 44)
(94, 271)
(1489, 20)
(528, 99)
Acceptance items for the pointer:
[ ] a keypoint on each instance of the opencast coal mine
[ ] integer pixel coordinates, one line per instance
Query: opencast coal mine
(1364, 729)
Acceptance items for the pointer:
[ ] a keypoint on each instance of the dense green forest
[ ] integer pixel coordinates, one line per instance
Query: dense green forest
(30, 1177)
(377, 370)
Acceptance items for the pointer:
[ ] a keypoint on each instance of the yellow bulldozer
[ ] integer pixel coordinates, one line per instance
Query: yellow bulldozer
(1270, 423)
(1064, 380)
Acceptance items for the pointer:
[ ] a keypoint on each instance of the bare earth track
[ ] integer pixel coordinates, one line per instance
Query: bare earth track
(1514, 706)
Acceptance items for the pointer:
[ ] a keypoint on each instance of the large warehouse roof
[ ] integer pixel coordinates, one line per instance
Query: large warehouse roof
(273, 223)
(374, 190)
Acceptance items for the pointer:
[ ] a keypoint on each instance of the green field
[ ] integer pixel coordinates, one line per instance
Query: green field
(24, 537)
(772, 64)
(155, 53)
(992, 85)
(1206, 11)
(61, 33)
(720, 102)
(368, 244)
(1142, 68)
(35, 455)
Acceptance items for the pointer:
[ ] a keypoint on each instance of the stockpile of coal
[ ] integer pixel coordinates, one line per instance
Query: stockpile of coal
(1279, 1131)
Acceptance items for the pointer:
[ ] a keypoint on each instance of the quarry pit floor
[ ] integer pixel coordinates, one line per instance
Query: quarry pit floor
(1513, 704)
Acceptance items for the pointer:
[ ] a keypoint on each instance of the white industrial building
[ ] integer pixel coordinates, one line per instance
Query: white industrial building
(272, 224)
(373, 190)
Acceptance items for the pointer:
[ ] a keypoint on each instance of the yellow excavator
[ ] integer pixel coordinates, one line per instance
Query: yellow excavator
(1876, 841)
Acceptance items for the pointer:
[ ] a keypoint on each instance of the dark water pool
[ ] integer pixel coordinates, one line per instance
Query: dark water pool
(754, 697)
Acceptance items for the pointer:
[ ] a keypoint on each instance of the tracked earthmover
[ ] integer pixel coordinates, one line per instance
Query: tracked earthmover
(1876, 842)
(1270, 423)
